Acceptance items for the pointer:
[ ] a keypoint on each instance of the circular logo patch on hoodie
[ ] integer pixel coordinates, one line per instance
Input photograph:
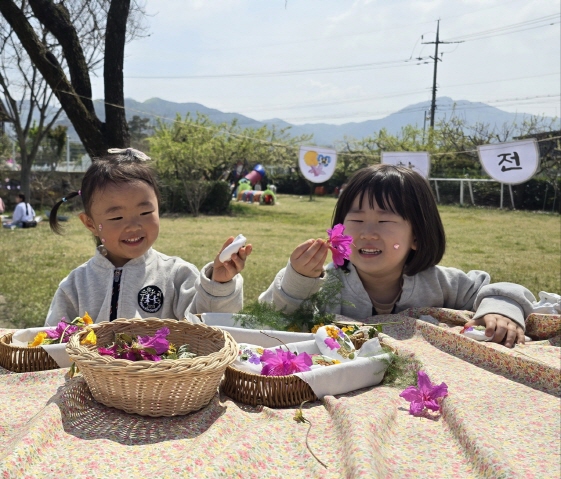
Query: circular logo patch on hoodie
(150, 298)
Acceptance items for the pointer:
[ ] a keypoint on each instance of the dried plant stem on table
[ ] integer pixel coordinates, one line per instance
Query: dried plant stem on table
(299, 417)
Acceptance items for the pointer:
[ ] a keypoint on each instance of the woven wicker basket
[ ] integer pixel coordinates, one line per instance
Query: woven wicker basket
(161, 388)
(20, 359)
(270, 391)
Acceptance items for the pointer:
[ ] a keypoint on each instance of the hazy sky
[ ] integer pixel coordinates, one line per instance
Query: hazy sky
(336, 61)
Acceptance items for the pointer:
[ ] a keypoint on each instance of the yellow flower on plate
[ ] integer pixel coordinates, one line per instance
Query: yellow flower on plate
(316, 327)
(39, 338)
(90, 338)
(332, 331)
(87, 319)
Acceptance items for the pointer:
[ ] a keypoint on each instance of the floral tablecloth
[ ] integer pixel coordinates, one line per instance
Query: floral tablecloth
(500, 420)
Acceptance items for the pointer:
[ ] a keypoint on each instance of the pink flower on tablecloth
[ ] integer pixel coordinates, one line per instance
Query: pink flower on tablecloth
(339, 244)
(283, 363)
(425, 396)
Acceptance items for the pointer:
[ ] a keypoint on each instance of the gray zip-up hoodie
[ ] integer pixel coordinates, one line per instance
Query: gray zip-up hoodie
(437, 286)
(153, 285)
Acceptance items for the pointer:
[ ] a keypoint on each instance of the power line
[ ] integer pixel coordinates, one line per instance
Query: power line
(515, 28)
(334, 69)
(301, 105)
(361, 66)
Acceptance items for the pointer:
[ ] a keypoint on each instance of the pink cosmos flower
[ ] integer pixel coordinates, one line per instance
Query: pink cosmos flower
(339, 244)
(331, 343)
(283, 363)
(424, 396)
(158, 342)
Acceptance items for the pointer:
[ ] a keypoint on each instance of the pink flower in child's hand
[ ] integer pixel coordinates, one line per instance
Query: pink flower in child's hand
(339, 244)
(283, 363)
(331, 343)
(158, 342)
(424, 396)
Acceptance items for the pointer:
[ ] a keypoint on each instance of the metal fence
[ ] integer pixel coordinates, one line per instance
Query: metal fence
(469, 182)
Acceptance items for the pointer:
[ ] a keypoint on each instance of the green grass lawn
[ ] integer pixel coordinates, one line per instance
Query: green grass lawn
(517, 246)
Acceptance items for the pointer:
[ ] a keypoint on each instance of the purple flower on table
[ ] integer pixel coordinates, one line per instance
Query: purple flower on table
(283, 363)
(158, 342)
(339, 244)
(331, 343)
(425, 396)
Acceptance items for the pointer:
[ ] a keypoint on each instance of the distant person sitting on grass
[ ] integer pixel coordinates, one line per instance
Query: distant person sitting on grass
(127, 278)
(23, 212)
(397, 242)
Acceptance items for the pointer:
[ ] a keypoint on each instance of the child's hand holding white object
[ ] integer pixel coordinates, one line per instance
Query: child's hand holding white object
(225, 271)
(500, 328)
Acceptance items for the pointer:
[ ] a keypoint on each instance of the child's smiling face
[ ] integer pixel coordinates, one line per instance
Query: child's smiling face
(375, 233)
(125, 217)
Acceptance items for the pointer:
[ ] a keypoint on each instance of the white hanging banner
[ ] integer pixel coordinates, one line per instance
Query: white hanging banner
(317, 164)
(418, 161)
(510, 163)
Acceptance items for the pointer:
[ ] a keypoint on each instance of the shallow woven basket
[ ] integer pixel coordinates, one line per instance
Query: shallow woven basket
(270, 391)
(155, 388)
(20, 359)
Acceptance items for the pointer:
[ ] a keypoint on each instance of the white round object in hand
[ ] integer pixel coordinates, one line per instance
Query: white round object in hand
(232, 248)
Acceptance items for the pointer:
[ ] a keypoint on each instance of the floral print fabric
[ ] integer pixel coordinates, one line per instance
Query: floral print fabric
(500, 419)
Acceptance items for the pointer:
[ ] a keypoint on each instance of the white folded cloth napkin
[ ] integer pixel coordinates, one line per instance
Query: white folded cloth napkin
(366, 370)
(55, 351)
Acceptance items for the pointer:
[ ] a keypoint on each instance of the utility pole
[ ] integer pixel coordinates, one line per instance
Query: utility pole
(436, 60)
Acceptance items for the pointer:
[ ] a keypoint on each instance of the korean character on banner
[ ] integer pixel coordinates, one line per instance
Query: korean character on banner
(510, 163)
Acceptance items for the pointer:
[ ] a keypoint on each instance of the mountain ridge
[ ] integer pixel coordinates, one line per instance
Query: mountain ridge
(325, 134)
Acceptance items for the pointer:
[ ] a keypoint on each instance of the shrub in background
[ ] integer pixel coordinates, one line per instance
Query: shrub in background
(216, 202)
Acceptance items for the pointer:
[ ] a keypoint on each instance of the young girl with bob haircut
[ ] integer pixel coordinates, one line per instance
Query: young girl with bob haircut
(127, 278)
(398, 241)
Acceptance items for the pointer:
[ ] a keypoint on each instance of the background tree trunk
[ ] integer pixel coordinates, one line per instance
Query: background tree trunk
(73, 91)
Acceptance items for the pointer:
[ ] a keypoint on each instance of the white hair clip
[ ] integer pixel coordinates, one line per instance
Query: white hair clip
(131, 152)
